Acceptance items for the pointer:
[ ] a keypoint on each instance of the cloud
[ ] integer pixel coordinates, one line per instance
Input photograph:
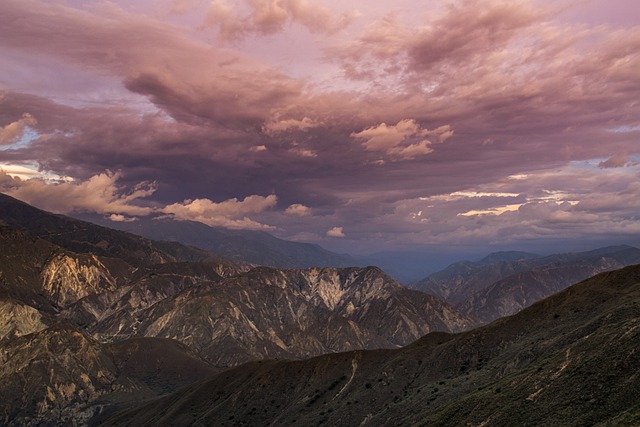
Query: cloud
(336, 232)
(615, 161)
(14, 130)
(180, 7)
(230, 213)
(298, 210)
(121, 218)
(403, 140)
(190, 80)
(102, 194)
(463, 33)
(303, 152)
(335, 117)
(270, 16)
(99, 194)
(278, 126)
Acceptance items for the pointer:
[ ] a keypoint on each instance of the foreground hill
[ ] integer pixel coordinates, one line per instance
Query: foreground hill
(571, 359)
(505, 282)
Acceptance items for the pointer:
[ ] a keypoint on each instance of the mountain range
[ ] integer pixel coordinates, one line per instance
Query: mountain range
(569, 360)
(94, 318)
(504, 283)
(252, 246)
(104, 327)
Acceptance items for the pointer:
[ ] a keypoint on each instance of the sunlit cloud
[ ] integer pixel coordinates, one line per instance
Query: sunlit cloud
(298, 210)
(404, 140)
(230, 213)
(13, 131)
(403, 127)
(336, 232)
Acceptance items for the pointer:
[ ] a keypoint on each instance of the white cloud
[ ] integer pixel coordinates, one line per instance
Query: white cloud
(121, 218)
(13, 131)
(336, 232)
(230, 213)
(303, 152)
(404, 140)
(99, 193)
(298, 210)
(277, 126)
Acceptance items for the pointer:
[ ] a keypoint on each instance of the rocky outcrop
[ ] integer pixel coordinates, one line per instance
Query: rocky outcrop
(52, 375)
(66, 278)
(18, 319)
(268, 312)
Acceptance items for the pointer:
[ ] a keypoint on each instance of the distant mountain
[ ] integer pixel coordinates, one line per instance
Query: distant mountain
(460, 279)
(508, 256)
(85, 237)
(93, 319)
(256, 247)
(504, 283)
(571, 359)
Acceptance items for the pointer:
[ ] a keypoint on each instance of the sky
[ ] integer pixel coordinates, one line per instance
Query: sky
(365, 126)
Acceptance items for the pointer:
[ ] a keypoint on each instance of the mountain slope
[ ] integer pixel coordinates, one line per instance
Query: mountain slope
(256, 247)
(61, 375)
(84, 237)
(268, 313)
(40, 264)
(503, 283)
(93, 320)
(570, 359)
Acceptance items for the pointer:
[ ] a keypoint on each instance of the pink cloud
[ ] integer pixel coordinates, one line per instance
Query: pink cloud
(403, 140)
(336, 232)
(615, 161)
(230, 213)
(99, 194)
(298, 209)
(270, 16)
(525, 90)
(14, 130)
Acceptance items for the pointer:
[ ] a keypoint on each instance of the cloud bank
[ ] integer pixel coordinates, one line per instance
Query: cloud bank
(362, 119)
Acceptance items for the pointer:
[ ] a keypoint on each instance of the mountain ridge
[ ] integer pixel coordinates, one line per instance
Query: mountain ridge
(547, 364)
(252, 246)
(500, 285)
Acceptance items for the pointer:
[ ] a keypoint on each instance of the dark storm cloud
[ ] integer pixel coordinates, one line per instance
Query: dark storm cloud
(481, 91)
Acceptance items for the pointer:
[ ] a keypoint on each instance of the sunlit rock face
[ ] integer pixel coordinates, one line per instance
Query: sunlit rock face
(61, 370)
(267, 313)
(17, 319)
(67, 279)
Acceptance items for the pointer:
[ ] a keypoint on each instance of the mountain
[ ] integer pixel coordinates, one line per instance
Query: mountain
(267, 313)
(51, 261)
(504, 283)
(255, 247)
(93, 320)
(568, 360)
(62, 376)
